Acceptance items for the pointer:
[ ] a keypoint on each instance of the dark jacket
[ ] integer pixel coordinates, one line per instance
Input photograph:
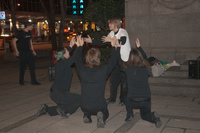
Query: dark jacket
(93, 81)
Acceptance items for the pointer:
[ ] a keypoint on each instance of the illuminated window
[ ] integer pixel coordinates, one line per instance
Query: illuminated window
(74, 6)
(81, 11)
(74, 1)
(74, 12)
(81, 1)
(81, 6)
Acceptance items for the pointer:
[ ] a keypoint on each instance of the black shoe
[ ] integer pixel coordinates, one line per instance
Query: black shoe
(42, 110)
(158, 122)
(129, 118)
(100, 121)
(110, 100)
(87, 119)
(121, 103)
(61, 112)
(35, 83)
(21, 83)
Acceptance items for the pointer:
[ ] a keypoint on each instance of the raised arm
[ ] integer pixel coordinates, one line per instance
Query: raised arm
(114, 55)
(140, 48)
(78, 53)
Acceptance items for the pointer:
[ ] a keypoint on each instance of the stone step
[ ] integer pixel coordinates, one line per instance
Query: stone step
(178, 74)
(175, 81)
(174, 90)
(184, 67)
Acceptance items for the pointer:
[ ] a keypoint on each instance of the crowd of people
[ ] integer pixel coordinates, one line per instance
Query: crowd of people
(127, 66)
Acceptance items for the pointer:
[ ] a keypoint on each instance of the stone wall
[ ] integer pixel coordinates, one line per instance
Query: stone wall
(166, 31)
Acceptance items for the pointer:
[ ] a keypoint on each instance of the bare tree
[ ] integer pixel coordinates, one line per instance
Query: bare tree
(12, 11)
(63, 8)
(49, 10)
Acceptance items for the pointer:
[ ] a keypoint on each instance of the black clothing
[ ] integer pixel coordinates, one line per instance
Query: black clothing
(139, 94)
(25, 55)
(118, 76)
(23, 42)
(59, 92)
(93, 81)
(27, 58)
(145, 109)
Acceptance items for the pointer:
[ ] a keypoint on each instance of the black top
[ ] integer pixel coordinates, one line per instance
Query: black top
(63, 73)
(138, 86)
(23, 43)
(93, 81)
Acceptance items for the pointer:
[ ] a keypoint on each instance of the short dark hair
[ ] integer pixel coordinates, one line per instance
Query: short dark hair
(28, 24)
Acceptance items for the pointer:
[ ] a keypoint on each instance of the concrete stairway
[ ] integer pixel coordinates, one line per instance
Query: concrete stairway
(175, 82)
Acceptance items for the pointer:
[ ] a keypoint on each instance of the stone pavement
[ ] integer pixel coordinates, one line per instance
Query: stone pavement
(19, 104)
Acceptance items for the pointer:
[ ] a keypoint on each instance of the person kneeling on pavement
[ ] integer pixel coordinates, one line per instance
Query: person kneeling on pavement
(139, 93)
(93, 78)
(66, 101)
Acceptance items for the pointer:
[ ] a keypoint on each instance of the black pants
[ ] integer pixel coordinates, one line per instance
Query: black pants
(118, 76)
(27, 58)
(143, 105)
(94, 112)
(66, 108)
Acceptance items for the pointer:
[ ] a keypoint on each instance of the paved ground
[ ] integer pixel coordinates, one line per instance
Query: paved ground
(19, 105)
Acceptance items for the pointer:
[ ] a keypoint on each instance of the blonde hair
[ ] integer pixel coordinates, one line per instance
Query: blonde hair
(93, 57)
(116, 22)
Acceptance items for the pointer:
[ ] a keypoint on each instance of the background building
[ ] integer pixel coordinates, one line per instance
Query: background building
(168, 29)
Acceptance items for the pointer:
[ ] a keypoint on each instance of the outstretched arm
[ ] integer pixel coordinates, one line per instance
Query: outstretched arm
(94, 42)
(78, 52)
(140, 48)
(114, 55)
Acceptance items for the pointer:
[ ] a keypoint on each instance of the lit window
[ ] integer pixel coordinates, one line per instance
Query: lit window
(74, 6)
(74, 12)
(81, 1)
(74, 1)
(81, 6)
(81, 11)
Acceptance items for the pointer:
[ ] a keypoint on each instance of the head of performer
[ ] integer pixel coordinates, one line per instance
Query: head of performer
(93, 57)
(61, 53)
(114, 24)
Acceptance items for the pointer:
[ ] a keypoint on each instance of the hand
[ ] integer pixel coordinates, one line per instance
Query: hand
(137, 43)
(117, 44)
(113, 41)
(106, 39)
(79, 41)
(88, 39)
(72, 42)
(16, 53)
(34, 53)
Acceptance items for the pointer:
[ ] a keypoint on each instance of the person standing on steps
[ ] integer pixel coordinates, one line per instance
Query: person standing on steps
(22, 44)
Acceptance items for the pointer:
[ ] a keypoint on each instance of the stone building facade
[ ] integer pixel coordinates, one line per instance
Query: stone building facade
(168, 29)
